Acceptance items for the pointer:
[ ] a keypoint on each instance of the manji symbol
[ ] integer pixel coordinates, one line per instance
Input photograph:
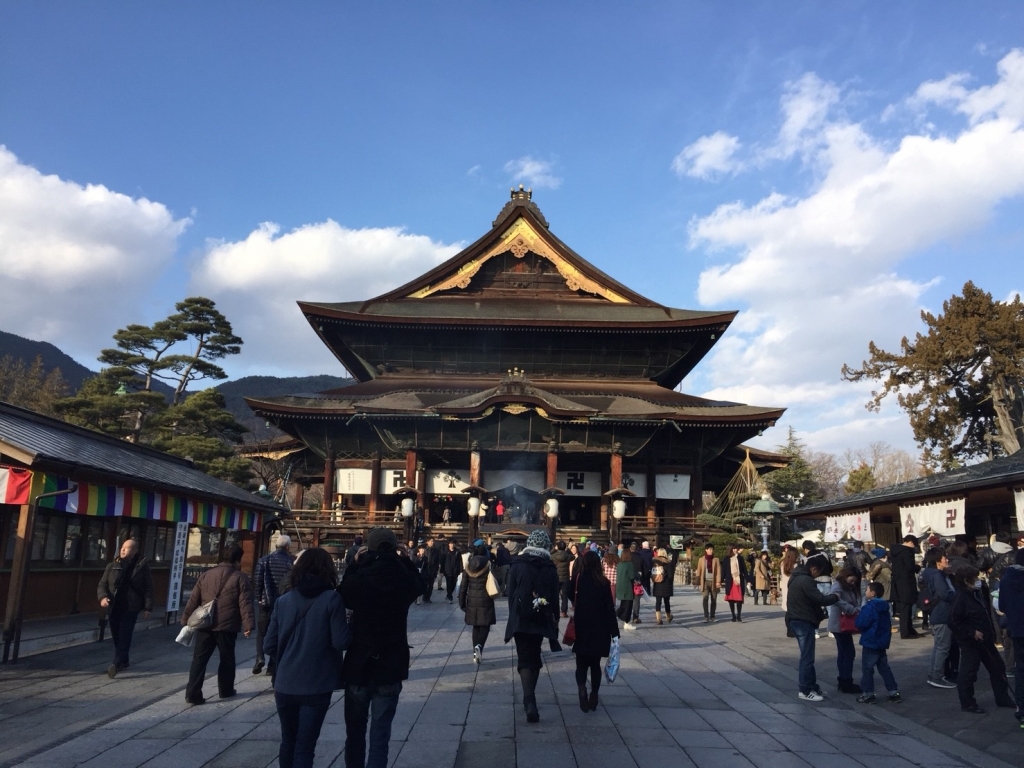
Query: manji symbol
(574, 481)
(398, 479)
(950, 518)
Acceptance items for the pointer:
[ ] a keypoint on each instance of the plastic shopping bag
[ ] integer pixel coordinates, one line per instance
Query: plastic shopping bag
(185, 636)
(611, 669)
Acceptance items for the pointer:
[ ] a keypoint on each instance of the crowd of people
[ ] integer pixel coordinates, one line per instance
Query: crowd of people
(323, 626)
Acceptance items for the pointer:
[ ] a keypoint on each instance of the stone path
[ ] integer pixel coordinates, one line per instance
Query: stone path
(688, 695)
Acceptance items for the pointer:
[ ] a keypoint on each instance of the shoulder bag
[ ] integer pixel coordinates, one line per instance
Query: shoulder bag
(570, 629)
(492, 585)
(204, 616)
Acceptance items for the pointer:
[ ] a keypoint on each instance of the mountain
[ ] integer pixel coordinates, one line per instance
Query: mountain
(271, 386)
(19, 348)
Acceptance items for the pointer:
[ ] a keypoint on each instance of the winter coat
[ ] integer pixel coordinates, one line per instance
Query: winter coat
(941, 586)
(875, 624)
(642, 566)
(451, 565)
(1011, 599)
(531, 575)
(904, 575)
(727, 576)
(473, 598)
(232, 591)
(762, 574)
(881, 572)
(664, 588)
(716, 574)
(804, 601)
(434, 555)
(970, 614)
(502, 556)
(860, 560)
(561, 559)
(594, 616)
(271, 572)
(136, 591)
(849, 604)
(307, 634)
(378, 588)
(625, 572)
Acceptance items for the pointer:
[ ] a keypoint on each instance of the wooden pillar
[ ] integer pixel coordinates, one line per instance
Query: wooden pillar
(697, 491)
(651, 502)
(615, 477)
(19, 579)
(329, 479)
(551, 476)
(374, 486)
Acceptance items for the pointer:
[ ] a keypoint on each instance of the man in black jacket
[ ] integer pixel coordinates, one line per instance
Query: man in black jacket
(451, 566)
(903, 586)
(378, 588)
(805, 610)
(126, 589)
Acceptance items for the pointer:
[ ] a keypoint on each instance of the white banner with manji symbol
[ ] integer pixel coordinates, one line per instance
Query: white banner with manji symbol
(580, 483)
(1018, 498)
(393, 479)
(672, 486)
(945, 518)
(446, 482)
(856, 526)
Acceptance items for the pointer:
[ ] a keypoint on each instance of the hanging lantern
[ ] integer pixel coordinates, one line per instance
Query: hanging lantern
(551, 508)
(619, 509)
(473, 506)
(407, 507)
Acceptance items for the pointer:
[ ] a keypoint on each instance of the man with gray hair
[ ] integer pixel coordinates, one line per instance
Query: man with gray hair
(271, 572)
(125, 590)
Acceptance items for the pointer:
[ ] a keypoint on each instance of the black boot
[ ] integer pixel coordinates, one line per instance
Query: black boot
(529, 678)
(846, 685)
(584, 698)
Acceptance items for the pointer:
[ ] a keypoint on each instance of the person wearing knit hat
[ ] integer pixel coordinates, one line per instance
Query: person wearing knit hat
(532, 613)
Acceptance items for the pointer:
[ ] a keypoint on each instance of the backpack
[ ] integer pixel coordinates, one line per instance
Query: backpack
(926, 597)
(658, 573)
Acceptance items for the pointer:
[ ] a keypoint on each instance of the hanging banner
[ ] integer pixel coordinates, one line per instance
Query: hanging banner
(1018, 498)
(349, 481)
(676, 486)
(447, 482)
(855, 525)
(496, 479)
(15, 485)
(393, 479)
(946, 518)
(177, 566)
(580, 483)
(635, 482)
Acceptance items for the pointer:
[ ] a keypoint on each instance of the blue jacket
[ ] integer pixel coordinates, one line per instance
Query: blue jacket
(939, 584)
(875, 624)
(1011, 599)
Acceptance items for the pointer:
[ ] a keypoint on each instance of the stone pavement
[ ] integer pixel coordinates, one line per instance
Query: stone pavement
(688, 695)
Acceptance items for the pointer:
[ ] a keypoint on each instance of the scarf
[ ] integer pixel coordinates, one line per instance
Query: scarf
(709, 563)
(734, 568)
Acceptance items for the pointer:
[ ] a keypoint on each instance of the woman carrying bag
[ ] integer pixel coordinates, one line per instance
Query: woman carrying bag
(307, 634)
(841, 623)
(625, 576)
(476, 601)
(735, 578)
(594, 620)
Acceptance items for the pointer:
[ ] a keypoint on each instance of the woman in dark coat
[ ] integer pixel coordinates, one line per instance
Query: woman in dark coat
(734, 571)
(903, 585)
(663, 590)
(474, 600)
(596, 625)
(532, 613)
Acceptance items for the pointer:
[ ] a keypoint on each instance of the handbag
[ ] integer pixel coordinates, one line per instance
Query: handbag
(492, 585)
(848, 623)
(735, 594)
(570, 629)
(186, 636)
(611, 669)
(202, 617)
(638, 589)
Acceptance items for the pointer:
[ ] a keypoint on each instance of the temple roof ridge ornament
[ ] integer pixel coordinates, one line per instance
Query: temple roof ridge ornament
(520, 198)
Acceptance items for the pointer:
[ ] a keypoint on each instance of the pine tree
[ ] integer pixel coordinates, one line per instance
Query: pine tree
(795, 481)
(860, 479)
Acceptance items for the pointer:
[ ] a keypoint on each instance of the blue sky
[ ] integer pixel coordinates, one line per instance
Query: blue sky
(828, 169)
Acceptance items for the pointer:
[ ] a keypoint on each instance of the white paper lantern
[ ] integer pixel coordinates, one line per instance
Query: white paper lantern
(407, 507)
(473, 506)
(551, 508)
(618, 509)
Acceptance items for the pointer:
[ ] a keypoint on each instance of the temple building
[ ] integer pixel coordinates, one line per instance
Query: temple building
(514, 373)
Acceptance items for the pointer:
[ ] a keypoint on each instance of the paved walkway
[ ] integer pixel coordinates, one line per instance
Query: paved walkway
(689, 694)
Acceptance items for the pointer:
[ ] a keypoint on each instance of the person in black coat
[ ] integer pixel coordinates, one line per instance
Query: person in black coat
(596, 625)
(532, 613)
(451, 567)
(735, 572)
(663, 589)
(474, 600)
(903, 587)
(971, 623)
(125, 590)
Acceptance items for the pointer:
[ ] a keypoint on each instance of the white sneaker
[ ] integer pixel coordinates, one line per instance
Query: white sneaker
(943, 683)
(627, 625)
(812, 696)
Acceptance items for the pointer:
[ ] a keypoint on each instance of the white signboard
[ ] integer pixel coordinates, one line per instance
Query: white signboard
(1018, 498)
(177, 566)
(856, 526)
(672, 486)
(496, 479)
(393, 479)
(945, 518)
(447, 481)
(349, 481)
(580, 483)
(635, 482)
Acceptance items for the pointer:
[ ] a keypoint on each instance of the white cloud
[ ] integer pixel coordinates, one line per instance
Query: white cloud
(534, 172)
(708, 157)
(820, 270)
(75, 260)
(257, 281)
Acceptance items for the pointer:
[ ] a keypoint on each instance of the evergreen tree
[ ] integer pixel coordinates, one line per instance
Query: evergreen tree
(797, 480)
(31, 386)
(860, 479)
